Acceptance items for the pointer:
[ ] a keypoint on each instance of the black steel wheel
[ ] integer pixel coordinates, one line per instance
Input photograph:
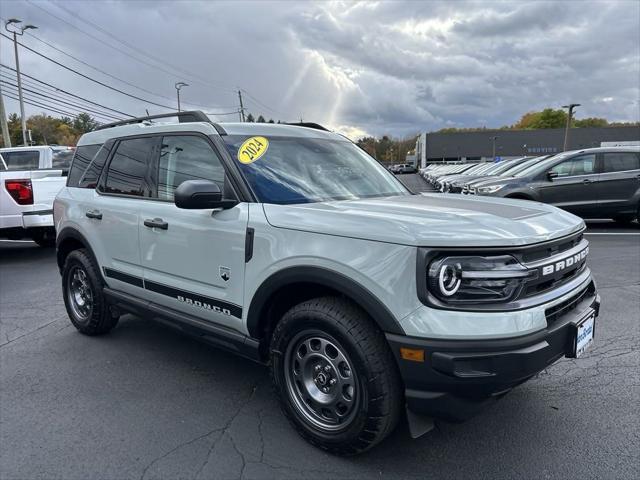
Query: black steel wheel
(335, 376)
(83, 298)
(321, 380)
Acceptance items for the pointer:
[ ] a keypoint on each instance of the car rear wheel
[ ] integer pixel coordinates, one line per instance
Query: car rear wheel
(335, 376)
(83, 297)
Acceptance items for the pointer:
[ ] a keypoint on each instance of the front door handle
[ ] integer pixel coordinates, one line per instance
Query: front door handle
(94, 214)
(156, 223)
(586, 180)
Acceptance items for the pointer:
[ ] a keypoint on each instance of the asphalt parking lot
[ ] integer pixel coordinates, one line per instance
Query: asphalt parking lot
(145, 402)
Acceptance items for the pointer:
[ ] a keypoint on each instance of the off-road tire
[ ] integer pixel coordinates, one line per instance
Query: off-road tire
(100, 320)
(379, 401)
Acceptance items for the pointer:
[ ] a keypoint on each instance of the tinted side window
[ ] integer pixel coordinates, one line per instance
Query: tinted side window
(581, 165)
(22, 160)
(619, 162)
(127, 173)
(185, 158)
(93, 171)
(81, 160)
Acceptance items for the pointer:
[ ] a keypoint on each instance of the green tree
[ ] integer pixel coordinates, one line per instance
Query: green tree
(547, 118)
(84, 123)
(590, 122)
(261, 119)
(250, 118)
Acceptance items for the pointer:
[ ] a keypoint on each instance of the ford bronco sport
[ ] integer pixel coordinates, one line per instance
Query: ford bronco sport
(291, 246)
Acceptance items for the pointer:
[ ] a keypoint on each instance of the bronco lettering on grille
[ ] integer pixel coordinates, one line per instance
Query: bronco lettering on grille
(565, 262)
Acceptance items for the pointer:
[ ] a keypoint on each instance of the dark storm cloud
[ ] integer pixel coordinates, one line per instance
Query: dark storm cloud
(381, 67)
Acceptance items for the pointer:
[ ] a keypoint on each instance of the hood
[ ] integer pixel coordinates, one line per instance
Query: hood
(434, 220)
(462, 179)
(496, 180)
(487, 179)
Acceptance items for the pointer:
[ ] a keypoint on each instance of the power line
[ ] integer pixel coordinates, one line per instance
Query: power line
(46, 107)
(173, 74)
(66, 108)
(88, 77)
(258, 102)
(162, 61)
(63, 101)
(94, 80)
(57, 89)
(98, 69)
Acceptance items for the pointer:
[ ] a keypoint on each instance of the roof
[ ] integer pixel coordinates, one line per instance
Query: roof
(277, 130)
(207, 128)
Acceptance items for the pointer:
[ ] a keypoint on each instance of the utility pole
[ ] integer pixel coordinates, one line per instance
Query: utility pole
(242, 119)
(571, 106)
(178, 86)
(3, 121)
(19, 31)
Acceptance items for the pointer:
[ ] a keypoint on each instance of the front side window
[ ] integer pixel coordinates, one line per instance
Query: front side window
(621, 161)
(185, 157)
(288, 170)
(128, 170)
(581, 165)
(22, 159)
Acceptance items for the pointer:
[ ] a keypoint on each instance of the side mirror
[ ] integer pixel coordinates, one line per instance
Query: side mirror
(551, 175)
(200, 194)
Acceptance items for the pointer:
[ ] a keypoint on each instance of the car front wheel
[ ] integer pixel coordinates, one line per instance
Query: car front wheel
(336, 378)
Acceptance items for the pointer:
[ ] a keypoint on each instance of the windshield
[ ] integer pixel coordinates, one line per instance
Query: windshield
(287, 170)
(62, 158)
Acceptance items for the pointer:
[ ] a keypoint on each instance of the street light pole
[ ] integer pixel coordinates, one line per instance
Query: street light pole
(493, 139)
(19, 31)
(178, 86)
(571, 106)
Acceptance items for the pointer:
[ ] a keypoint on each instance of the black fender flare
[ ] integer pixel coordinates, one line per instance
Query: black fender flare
(327, 278)
(70, 233)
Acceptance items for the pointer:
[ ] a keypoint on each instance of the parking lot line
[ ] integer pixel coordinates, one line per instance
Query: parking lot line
(612, 233)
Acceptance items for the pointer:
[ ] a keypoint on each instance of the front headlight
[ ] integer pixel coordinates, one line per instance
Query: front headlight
(460, 280)
(489, 190)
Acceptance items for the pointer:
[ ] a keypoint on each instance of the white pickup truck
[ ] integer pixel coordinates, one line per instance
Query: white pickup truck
(30, 179)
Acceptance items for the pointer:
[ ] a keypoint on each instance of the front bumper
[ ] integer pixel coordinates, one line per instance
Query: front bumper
(458, 377)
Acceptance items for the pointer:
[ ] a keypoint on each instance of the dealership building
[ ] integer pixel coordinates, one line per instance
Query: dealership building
(465, 146)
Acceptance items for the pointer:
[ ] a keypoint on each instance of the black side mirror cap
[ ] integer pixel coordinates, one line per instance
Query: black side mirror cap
(200, 195)
(551, 175)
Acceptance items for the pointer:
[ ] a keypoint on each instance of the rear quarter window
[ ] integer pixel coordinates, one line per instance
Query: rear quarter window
(621, 161)
(80, 162)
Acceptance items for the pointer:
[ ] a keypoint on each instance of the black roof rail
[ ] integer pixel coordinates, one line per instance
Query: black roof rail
(309, 125)
(183, 117)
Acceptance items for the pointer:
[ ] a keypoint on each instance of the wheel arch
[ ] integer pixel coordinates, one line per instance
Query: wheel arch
(291, 285)
(519, 196)
(68, 240)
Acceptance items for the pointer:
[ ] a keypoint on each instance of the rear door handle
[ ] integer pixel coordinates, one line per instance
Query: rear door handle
(586, 180)
(94, 214)
(156, 223)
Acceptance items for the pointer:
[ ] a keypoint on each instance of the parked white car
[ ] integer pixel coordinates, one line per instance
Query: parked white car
(30, 179)
(365, 300)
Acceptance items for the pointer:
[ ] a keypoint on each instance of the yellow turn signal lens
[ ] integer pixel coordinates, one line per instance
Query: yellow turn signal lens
(412, 354)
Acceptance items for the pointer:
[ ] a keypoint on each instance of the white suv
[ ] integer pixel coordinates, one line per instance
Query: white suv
(291, 246)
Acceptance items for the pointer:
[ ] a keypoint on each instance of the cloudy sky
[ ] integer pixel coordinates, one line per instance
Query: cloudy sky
(361, 67)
